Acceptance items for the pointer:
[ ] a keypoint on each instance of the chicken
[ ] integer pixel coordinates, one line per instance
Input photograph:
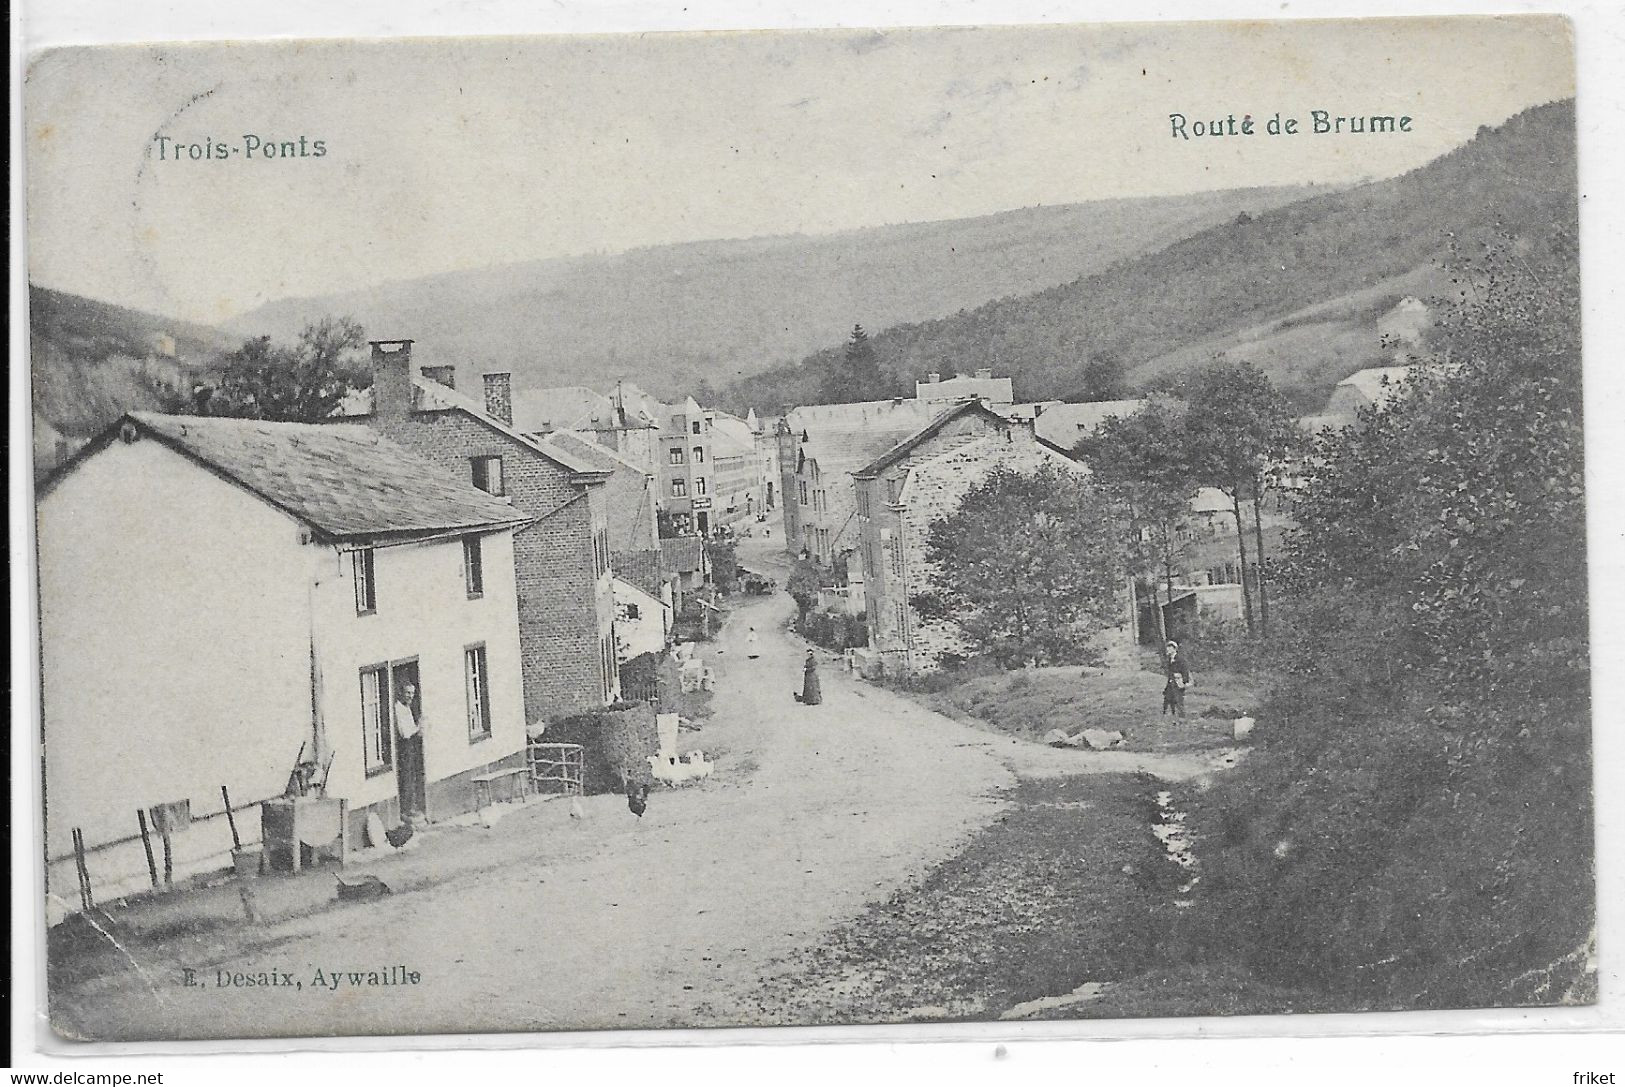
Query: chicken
(637, 798)
(577, 812)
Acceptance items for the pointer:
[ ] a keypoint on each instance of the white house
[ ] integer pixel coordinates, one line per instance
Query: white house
(642, 620)
(220, 595)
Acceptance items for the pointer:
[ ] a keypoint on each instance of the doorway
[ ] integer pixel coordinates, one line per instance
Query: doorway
(705, 523)
(410, 777)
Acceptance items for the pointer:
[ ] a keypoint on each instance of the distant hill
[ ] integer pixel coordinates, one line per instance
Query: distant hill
(1297, 289)
(670, 316)
(91, 361)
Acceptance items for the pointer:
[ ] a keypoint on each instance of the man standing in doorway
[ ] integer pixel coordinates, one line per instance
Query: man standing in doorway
(409, 760)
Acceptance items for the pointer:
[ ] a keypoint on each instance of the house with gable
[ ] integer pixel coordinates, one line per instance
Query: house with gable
(562, 557)
(221, 599)
(820, 447)
(626, 420)
(901, 493)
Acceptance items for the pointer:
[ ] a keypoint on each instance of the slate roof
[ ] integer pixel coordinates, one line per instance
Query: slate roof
(683, 554)
(579, 447)
(902, 449)
(1064, 424)
(640, 568)
(844, 437)
(563, 407)
(344, 481)
(430, 395)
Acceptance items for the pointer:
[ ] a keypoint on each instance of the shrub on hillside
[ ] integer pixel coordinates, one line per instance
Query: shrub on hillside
(1415, 826)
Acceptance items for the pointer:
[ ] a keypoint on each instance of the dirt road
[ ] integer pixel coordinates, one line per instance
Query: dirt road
(617, 922)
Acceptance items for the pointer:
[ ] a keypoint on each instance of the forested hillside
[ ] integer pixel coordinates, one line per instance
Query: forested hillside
(1297, 289)
(92, 361)
(673, 316)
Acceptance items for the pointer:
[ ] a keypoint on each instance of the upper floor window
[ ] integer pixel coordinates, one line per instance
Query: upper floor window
(679, 488)
(699, 485)
(600, 552)
(487, 473)
(699, 454)
(694, 427)
(675, 455)
(473, 568)
(803, 486)
(366, 587)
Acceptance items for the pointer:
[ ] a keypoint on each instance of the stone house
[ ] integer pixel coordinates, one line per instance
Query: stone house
(820, 447)
(907, 489)
(562, 559)
(219, 597)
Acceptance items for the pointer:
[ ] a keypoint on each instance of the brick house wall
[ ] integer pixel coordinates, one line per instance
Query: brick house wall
(562, 575)
(566, 608)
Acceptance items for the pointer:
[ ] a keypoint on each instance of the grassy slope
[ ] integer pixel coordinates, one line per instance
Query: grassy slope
(92, 361)
(668, 316)
(1028, 704)
(1228, 287)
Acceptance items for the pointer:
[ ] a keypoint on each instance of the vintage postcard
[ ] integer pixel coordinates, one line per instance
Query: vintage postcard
(789, 528)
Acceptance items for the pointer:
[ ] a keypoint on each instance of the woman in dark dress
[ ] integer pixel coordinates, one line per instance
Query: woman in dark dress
(810, 694)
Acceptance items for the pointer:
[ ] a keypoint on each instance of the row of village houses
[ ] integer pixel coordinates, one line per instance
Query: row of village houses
(863, 483)
(222, 598)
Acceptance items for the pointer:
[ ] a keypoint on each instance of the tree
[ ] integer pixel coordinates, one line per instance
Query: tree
(722, 556)
(1415, 825)
(857, 375)
(1027, 566)
(1105, 378)
(1142, 461)
(1237, 429)
(303, 383)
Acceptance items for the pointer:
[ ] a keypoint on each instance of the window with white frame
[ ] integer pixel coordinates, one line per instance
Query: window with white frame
(679, 488)
(376, 733)
(487, 474)
(674, 455)
(479, 695)
(699, 485)
(366, 588)
(699, 454)
(473, 568)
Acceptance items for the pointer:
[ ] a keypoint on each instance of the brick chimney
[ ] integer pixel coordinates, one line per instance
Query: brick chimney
(932, 378)
(442, 375)
(391, 377)
(499, 397)
(983, 375)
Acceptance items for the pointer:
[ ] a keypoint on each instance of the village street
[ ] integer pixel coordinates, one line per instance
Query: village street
(614, 922)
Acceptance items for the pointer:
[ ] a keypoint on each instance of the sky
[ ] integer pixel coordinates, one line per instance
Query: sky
(447, 154)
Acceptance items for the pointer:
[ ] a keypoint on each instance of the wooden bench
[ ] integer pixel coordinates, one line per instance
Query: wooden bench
(518, 776)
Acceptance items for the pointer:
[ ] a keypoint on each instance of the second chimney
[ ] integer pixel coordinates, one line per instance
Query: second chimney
(984, 375)
(391, 377)
(442, 375)
(499, 397)
(932, 378)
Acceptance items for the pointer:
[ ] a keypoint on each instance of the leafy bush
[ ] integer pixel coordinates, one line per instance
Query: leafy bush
(1415, 826)
(833, 629)
(617, 742)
